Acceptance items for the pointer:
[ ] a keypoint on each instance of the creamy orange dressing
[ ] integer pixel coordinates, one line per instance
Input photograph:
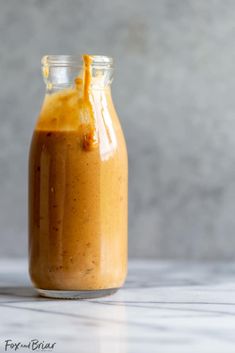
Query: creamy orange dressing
(78, 190)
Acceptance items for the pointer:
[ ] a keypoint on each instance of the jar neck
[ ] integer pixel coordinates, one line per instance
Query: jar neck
(65, 71)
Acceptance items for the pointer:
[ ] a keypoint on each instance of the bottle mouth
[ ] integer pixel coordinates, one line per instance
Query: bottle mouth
(98, 61)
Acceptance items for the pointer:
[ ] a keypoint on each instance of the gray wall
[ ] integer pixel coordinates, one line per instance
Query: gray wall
(174, 90)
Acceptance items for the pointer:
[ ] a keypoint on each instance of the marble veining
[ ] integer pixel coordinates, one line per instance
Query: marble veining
(163, 307)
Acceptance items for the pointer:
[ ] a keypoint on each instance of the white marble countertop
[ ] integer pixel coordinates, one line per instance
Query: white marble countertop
(164, 307)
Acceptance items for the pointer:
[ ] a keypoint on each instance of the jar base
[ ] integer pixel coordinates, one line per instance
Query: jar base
(76, 294)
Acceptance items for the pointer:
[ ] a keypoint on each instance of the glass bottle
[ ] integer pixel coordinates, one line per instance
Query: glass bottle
(77, 182)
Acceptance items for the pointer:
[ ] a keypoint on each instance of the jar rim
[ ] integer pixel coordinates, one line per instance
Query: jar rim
(76, 60)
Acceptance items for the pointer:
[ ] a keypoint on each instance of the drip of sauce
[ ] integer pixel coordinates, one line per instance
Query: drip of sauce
(90, 140)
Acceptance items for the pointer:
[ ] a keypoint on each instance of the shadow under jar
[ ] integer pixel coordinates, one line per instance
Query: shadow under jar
(78, 174)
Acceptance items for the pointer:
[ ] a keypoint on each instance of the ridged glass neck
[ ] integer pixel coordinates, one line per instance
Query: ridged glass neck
(61, 71)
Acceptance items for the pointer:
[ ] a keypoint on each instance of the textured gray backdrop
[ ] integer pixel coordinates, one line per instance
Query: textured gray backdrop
(174, 89)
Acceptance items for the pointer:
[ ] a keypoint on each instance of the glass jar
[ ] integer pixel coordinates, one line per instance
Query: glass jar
(77, 183)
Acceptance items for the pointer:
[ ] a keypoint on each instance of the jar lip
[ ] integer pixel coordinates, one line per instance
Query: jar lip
(76, 60)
